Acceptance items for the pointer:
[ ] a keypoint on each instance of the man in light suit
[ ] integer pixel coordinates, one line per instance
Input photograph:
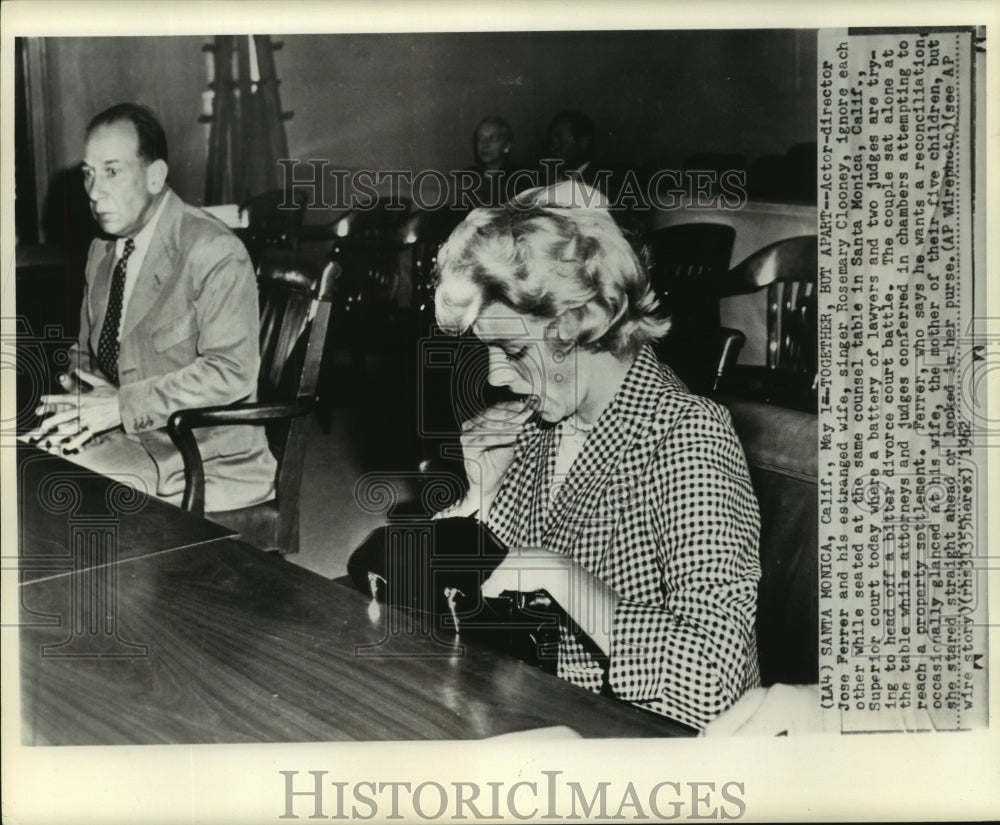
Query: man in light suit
(169, 321)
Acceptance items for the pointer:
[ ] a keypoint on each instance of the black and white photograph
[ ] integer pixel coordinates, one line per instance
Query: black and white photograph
(446, 412)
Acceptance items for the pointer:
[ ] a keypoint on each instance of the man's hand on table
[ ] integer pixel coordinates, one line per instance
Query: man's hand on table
(75, 417)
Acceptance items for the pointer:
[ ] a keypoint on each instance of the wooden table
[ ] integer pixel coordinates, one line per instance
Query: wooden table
(71, 519)
(219, 642)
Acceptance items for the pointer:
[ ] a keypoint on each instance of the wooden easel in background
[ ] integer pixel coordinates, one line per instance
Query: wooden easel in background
(247, 135)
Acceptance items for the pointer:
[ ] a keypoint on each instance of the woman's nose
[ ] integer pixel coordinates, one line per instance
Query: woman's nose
(500, 374)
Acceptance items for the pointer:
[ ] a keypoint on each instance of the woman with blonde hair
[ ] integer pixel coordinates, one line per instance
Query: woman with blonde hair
(624, 497)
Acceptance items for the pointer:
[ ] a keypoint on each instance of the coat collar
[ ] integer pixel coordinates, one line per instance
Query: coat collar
(158, 266)
(601, 477)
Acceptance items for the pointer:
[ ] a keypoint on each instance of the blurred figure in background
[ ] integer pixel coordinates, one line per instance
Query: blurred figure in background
(492, 143)
(569, 153)
(496, 182)
(569, 141)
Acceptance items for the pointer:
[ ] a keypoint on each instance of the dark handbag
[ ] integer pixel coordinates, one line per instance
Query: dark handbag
(437, 568)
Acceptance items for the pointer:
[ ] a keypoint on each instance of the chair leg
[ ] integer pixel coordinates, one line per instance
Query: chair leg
(287, 535)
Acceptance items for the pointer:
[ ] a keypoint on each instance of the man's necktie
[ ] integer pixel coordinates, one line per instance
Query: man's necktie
(107, 345)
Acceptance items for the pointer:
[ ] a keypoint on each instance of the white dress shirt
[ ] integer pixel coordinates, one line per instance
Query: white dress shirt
(141, 240)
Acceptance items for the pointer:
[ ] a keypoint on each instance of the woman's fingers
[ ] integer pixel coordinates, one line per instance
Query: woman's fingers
(507, 410)
(499, 418)
(489, 440)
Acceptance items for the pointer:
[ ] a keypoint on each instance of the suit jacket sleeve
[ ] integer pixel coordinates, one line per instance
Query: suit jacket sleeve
(80, 351)
(226, 315)
(691, 650)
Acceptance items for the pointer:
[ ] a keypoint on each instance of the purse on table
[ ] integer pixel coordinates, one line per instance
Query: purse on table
(437, 567)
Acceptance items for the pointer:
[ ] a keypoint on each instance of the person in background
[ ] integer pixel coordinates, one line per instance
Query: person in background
(621, 495)
(568, 153)
(493, 140)
(169, 321)
(492, 144)
(569, 144)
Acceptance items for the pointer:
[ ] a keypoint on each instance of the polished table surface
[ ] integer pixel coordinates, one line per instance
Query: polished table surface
(70, 518)
(236, 645)
(218, 642)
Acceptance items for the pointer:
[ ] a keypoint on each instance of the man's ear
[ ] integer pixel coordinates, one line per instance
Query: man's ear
(156, 176)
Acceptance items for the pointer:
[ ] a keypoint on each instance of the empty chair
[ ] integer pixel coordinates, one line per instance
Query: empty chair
(368, 246)
(787, 270)
(295, 296)
(686, 263)
(686, 260)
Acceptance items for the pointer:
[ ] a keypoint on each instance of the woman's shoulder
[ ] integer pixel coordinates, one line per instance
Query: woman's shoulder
(663, 401)
(685, 410)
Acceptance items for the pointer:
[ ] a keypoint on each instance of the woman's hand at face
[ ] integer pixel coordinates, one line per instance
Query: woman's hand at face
(488, 444)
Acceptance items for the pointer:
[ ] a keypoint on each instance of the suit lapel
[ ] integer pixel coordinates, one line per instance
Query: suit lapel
(157, 267)
(100, 288)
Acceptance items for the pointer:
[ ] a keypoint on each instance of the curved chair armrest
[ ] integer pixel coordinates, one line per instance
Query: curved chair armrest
(182, 424)
(731, 342)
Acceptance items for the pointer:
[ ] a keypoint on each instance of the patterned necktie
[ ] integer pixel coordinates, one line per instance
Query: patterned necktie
(107, 346)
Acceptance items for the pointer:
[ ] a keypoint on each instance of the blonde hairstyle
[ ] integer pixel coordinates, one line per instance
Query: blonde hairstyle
(570, 265)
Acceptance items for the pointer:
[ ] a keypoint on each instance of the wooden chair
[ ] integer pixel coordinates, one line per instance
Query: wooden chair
(787, 270)
(370, 319)
(368, 247)
(686, 263)
(295, 299)
(686, 260)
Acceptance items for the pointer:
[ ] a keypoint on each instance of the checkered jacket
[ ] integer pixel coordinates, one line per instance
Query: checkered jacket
(658, 505)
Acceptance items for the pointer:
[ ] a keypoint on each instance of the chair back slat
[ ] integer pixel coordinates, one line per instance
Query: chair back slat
(294, 293)
(788, 270)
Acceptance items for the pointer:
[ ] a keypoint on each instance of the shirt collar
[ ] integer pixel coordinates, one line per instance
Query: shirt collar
(143, 237)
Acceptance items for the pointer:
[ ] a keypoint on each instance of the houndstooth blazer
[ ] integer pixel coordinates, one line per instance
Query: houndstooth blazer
(658, 505)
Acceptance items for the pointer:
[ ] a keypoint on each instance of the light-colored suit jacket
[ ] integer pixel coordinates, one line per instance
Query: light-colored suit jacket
(658, 505)
(189, 339)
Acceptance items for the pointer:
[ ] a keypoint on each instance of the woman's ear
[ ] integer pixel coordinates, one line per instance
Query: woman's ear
(581, 325)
